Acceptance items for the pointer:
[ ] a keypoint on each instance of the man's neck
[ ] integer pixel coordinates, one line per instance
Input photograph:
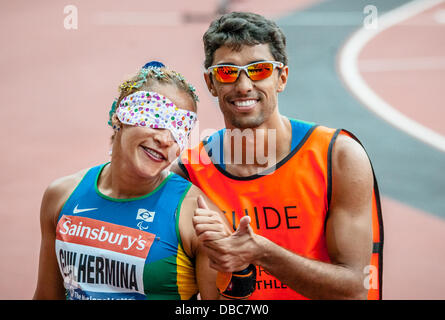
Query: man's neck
(250, 151)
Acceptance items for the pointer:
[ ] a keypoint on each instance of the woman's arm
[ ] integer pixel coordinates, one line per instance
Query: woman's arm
(49, 281)
(205, 275)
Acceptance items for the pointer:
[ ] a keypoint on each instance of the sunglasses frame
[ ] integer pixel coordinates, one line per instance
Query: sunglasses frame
(275, 64)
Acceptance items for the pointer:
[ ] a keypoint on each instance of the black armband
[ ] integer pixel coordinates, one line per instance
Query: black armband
(237, 285)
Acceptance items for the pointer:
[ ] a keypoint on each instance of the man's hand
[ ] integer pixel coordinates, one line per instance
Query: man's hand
(208, 224)
(227, 252)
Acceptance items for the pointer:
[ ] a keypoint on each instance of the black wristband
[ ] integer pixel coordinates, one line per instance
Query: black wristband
(242, 284)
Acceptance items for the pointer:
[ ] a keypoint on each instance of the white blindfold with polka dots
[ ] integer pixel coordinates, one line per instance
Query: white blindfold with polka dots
(150, 109)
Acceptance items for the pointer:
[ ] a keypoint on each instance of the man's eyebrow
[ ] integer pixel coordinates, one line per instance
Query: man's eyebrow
(232, 64)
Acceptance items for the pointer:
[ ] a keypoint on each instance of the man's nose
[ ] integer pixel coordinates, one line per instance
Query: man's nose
(243, 83)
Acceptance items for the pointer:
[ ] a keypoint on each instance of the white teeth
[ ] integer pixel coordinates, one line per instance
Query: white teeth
(154, 153)
(244, 103)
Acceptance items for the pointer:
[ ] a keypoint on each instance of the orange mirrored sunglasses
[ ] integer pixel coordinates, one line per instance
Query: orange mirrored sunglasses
(227, 73)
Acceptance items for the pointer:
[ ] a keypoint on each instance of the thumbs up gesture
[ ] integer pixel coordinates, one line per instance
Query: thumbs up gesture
(243, 228)
(227, 251)
(209, 224)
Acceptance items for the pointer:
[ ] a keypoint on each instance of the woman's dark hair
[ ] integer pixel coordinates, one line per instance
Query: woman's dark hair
(244, 28)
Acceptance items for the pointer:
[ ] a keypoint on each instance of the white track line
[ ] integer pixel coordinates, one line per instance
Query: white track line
(348, 68)
(402, 64)
(439, 16)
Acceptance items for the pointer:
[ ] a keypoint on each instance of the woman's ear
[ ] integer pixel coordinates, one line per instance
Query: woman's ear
(115, 123)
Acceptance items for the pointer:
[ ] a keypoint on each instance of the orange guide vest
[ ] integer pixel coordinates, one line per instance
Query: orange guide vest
(289, 206)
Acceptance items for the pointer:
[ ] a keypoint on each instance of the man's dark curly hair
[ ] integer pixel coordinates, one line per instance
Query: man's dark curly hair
(244, 28)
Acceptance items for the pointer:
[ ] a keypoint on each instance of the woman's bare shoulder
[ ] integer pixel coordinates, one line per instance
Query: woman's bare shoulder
(57, 193)
(65, 184)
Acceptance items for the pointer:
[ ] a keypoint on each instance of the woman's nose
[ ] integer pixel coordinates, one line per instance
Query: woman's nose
(164, 137)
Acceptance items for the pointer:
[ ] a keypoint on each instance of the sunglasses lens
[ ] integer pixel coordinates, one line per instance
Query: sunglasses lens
(225, 74)
(260, 71)
(229, 74)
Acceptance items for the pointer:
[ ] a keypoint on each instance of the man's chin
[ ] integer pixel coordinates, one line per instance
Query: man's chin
(247, 122)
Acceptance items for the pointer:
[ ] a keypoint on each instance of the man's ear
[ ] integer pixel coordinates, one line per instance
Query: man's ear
(209, 81)
(282, 79)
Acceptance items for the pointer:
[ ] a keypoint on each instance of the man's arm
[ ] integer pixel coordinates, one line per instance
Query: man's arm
(348, 236)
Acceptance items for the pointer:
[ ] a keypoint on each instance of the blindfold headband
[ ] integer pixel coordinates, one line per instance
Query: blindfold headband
(150, 109)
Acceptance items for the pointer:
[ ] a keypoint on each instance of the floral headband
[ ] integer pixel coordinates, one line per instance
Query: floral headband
(154, 68)
(151, 68)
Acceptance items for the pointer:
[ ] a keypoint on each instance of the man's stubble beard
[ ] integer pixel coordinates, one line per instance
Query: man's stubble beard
(246, 122)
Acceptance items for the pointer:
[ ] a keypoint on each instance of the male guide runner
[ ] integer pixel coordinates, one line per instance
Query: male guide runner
(315, 228)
